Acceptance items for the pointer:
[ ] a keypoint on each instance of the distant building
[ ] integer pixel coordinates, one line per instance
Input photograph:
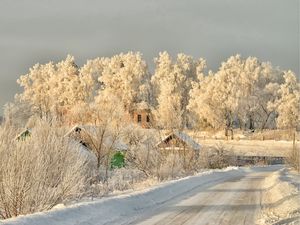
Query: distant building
(141, 114)
(179, 142)
(91, 145)
(87, 137)
(24, 134)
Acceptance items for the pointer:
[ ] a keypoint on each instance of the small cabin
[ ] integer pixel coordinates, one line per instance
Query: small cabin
(90, 141)
(141, 114)
(180, 143)
(81, 136)
(87, 136)
(24, 134)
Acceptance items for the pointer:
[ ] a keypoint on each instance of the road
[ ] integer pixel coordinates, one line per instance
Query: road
(232, 201)
(231, 196)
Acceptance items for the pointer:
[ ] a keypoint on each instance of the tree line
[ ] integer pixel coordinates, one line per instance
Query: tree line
(182, 92)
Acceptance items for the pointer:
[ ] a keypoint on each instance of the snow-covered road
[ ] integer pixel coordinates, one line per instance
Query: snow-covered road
(236, 200)
(225, 197)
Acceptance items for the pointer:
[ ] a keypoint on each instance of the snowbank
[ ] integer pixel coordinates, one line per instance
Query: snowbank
(127, 207)
(281, 199)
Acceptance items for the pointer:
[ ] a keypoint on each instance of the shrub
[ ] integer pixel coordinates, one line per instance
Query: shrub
(117, 180)
(118, 160)
(217, 157)
(38, 172)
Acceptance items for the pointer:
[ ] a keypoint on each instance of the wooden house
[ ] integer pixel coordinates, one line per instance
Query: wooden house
(180, 143)
(95, 147)
(89, 138)
(24, 134)
(141, 114)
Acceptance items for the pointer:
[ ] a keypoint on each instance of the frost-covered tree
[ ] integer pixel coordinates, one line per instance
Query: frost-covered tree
(287, 105)
(52, 89)
(201, 102)
(37, 89)
(107, 120)
(238, 93)
(172, 82)
(68, 87)
(17, 113)
(213, 97)
(124, 77)
(92, 71)
(257, 84)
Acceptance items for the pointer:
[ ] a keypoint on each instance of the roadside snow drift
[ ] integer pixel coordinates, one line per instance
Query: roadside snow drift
(281, 199)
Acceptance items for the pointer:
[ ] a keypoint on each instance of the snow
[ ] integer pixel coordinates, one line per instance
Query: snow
(280, 199)
(83, 151)
(124, 207)
(252, 147)
(142, 106)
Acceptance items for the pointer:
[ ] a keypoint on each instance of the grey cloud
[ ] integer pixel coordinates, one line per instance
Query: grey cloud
(34, 31)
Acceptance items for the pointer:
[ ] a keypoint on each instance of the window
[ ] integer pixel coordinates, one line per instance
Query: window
(148, 119)
(139, 118)
(77, 129)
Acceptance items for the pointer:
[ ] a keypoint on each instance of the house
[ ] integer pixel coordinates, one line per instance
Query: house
(23, 135)
(180, 143)
(87, 136)
(96, 145)
(141, 114)
(80, 135)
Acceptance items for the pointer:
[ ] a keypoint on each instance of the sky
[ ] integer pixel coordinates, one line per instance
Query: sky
(39, 31)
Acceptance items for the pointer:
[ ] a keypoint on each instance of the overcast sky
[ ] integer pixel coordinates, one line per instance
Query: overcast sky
(34, 31)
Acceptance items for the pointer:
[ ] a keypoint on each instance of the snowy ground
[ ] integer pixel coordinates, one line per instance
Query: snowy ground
(252, 147)
(232, 196)
(281, 199)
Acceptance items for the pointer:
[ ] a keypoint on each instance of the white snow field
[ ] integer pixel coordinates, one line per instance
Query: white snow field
(231, 196)
(253, 147)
